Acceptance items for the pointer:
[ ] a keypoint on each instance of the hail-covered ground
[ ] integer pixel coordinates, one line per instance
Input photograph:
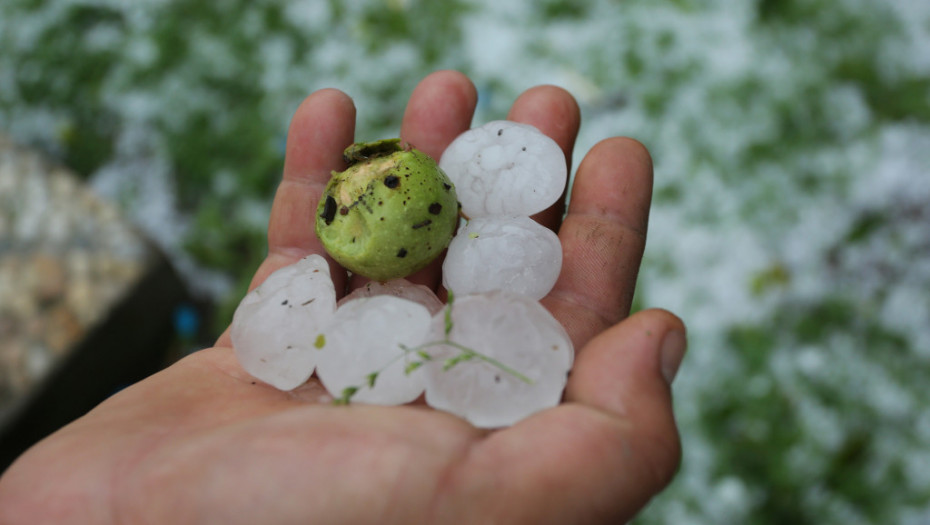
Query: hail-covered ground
(791, 143)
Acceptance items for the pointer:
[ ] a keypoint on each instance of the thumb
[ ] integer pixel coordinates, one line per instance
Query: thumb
(601, 455)
(627, 372)
(636, 359)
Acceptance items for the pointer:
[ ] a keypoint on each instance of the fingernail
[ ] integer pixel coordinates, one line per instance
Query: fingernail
(671, 353)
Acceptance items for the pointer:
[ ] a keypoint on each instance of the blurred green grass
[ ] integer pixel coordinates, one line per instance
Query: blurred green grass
(744, 149)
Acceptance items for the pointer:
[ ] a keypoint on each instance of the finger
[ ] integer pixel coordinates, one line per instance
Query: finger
(440, 109)
(555, 112)
(322, 127)
(601, 456)
(603, 237)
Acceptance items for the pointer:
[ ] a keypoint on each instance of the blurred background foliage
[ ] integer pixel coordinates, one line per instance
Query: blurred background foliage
(791, 222)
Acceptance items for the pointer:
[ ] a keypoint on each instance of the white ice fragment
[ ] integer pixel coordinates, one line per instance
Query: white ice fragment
(275, 326)
(368, 336)
(515, 332)
(505, 168)
(398, 288)
(513, 254)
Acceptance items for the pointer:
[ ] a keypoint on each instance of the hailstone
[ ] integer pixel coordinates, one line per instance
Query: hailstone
(398, 288)
(276, 324)
(494, 355)
(518, 365)
(514, 254)
(366, 348)
(505, 168)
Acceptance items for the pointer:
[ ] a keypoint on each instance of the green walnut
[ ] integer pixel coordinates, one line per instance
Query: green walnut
(390, 213)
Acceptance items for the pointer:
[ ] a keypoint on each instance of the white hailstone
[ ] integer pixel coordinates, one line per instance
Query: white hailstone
(367, 336)
(505, 168)
(508, 335)
(513, 254)
(275, 326)
(398, 288)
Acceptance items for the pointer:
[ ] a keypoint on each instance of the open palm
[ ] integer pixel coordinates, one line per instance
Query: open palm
(203, 442)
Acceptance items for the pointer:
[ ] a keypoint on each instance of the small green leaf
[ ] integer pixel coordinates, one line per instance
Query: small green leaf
(320, 342)
(371, 378)
(456, 360)
(347, 394)
(412, 366)
(424, 355)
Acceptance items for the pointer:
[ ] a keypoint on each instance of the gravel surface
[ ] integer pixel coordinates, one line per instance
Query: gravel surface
(66, 257)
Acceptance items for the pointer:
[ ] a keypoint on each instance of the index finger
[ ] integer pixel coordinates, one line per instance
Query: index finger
(322, 127)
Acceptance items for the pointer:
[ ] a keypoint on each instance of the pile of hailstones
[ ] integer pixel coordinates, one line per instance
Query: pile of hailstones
(493, 355)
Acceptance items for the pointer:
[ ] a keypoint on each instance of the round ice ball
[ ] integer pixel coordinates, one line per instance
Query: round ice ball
(398, 288)
(505, 168)
(508, 335)
(514, 254)
(276, 324)
(369, 336)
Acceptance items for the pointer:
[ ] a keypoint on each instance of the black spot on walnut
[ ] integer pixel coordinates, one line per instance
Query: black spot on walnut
(402, 253)
(435, 208)
(329, 210)
(446, 186)
(421, 224)
(343, 210)
(391, 181)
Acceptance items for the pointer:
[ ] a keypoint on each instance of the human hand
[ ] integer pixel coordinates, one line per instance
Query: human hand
(203, 442)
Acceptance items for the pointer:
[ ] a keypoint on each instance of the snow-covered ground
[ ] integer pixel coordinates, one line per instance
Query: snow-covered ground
(790, 229)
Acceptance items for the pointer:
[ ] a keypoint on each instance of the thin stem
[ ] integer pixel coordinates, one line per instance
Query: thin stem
(467, 353)
(479, 355)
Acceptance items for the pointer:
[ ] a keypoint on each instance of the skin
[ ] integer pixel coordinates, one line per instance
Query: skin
(202, 442)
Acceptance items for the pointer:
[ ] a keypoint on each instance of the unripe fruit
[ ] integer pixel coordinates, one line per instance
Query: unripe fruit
(390, 213)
